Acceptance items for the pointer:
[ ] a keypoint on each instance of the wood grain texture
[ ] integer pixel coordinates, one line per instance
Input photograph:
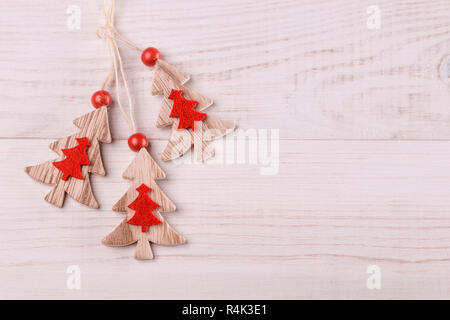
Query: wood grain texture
(166, 79)
(364, 152)
(316, 63)
(95, 127)
(143, 170)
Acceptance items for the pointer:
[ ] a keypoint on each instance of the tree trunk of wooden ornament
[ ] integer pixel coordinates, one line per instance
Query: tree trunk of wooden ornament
(143, 170)
(143, 250)
(167, 78)
(95, 127)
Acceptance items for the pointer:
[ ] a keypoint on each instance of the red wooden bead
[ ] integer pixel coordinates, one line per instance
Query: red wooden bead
(101, 98)
(137, 141)
(150, 55)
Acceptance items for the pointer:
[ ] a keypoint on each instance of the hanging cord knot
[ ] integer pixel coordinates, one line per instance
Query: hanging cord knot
(106, 31)
(109, 33)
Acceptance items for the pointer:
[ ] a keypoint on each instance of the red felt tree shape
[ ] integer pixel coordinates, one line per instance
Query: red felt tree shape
(168, 79)
(75, 158)
(143, 206)
(184, 109)
(144, 223)
(94, 126)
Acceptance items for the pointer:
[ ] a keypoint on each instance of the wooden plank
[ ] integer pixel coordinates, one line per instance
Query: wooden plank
(311, 231)
(312, 68)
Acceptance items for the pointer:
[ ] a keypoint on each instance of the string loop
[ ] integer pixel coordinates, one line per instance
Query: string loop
(109, 33)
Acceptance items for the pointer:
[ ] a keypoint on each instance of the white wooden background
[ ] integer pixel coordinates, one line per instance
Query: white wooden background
(364, 175)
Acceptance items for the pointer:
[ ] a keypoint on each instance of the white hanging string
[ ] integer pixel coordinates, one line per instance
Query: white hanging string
(110, 34)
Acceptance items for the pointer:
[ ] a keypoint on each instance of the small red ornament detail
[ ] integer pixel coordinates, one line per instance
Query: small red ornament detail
(184, 110)
(101, 98)
(75, 158)
(137, 141)
(143, 206)
(150, 55)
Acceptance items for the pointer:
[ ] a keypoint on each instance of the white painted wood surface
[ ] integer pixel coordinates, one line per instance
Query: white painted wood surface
(364, 176)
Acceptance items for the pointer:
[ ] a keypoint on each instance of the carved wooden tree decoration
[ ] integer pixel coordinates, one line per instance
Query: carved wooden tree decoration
(166, 79)
(143, 172)
(94, 127)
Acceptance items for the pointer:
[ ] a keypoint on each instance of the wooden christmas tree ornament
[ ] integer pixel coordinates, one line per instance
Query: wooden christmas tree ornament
(79, 155)
(143, 203)
(177, 110)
